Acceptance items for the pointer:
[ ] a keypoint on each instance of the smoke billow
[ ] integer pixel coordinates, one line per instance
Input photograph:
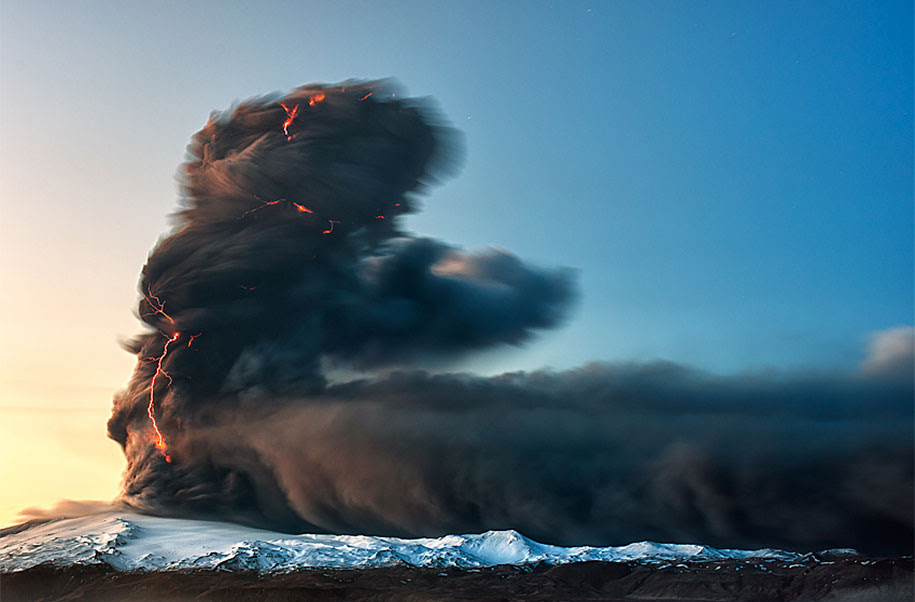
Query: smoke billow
(288, 262)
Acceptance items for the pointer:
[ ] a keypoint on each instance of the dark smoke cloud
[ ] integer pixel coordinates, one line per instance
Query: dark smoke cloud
(604, 454)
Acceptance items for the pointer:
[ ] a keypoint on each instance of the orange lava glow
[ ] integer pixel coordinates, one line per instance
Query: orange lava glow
(366, 96)
(302, 208)
(331, 229)
(290, 115)
(193, 336)
(151, 407)
(379, 217)
(315, 99)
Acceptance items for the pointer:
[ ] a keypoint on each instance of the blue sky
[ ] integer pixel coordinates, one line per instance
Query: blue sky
(734, 180)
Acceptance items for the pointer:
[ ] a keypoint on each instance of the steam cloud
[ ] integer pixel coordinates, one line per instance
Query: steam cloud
(257, 432)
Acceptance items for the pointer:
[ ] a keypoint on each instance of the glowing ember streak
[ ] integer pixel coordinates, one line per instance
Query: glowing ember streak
(298, 207)
(151, 408)
(290, 115)
(331, 229)
(193, 336)
(158, 307)
(259, 207)
(315, 99)
(379, 217)
(366, 96)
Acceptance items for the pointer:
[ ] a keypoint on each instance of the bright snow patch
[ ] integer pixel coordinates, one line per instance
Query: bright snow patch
(127, 541)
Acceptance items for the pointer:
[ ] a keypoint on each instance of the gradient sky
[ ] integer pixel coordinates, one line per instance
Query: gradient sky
(734, 180)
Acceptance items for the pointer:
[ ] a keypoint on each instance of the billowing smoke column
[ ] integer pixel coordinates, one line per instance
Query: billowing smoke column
(288, 264)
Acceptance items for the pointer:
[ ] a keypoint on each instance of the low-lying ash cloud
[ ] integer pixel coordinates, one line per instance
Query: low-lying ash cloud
(288, 263)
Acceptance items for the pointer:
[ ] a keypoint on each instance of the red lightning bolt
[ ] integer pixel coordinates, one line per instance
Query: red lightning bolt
(259, 207)
(290, 115)
(157, 306)
(298, 207)
(151, 407)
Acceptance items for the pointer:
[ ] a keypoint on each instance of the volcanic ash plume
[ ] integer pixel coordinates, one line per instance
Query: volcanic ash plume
(288, 264)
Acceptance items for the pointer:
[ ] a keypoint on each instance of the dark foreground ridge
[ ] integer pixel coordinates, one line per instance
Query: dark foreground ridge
(855, 579)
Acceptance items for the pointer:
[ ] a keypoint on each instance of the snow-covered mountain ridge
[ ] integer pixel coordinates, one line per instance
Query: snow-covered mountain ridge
(128, 541)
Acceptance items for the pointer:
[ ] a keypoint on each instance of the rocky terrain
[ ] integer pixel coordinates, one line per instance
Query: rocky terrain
(126, 556)
(851, 579)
